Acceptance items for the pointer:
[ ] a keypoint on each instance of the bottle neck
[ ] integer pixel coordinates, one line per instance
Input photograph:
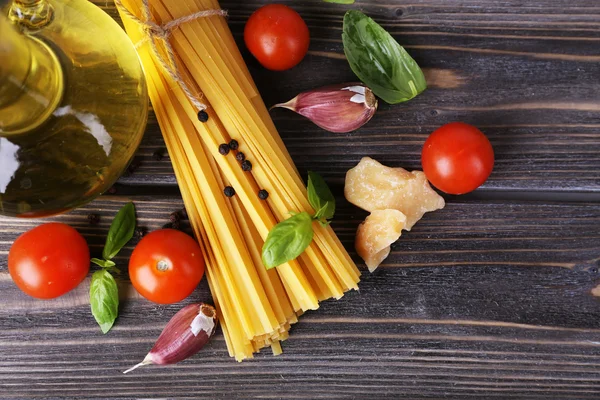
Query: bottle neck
(31, 14)
(31, 81)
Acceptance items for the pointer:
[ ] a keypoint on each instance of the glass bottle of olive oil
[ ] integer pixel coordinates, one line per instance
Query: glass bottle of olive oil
(73, 105)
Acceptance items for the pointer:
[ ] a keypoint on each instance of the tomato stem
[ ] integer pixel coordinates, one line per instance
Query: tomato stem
(162, 265)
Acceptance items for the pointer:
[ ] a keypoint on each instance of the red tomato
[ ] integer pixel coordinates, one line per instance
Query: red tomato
(166, 266)
(49, 260)
(457, 158)
(277, 36)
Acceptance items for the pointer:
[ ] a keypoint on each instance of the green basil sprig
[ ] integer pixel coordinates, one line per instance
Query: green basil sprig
(104, 294)
(320, 198)
(289, 238)
(379, 61)
(103, 263)
(120, 232)
(104, 299)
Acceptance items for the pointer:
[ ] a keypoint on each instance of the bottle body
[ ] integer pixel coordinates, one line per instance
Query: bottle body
(53, 162)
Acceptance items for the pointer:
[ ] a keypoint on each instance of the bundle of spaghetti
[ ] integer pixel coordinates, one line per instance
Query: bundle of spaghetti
(203, 186)
(256, 305)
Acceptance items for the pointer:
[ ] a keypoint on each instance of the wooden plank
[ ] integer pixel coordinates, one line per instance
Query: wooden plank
(484, 299)
(527, 75)
(478, 300)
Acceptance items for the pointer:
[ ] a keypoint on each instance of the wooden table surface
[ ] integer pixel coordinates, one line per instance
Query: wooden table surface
(495, 296)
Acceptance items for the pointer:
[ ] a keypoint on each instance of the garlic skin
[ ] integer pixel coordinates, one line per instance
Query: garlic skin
(339, 108)
(185, 335)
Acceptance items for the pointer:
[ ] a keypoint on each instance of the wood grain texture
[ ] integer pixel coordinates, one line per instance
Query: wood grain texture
(496, 296)
(479, 300)
(527, 73)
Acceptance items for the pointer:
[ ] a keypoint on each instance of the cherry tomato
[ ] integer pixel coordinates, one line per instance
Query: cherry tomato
(457, 158)
(277, 36)
(49, 260)
(166, 266)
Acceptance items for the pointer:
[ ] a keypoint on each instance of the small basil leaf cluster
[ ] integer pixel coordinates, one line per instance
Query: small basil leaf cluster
(104, 294)
(379, 61)
(289, 238)
(320, 198)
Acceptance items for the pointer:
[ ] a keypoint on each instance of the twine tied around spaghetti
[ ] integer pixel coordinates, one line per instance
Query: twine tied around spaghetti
(155, 32)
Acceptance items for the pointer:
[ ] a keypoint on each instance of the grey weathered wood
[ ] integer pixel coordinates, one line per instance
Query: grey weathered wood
(478, 300)
(495, 296)
(526, 73)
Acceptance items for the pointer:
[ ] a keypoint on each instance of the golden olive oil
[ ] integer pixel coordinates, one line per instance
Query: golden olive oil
(73, 108)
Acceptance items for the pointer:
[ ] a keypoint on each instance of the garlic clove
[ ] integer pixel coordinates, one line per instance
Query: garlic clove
(185, 335)
(337, 108)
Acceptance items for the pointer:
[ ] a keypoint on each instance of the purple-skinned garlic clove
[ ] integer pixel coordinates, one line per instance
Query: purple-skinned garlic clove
(185, 335)
(336, 108)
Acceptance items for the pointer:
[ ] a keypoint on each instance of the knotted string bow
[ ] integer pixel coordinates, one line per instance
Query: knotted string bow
(155, 32)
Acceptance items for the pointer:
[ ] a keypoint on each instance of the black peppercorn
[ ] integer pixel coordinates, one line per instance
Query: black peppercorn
(187, 229)
(240, 156)
(159, 154)
(93, 219)
(140, 232)
(263, 194)
(133, 166)
(229, 191)
(112, 190)
(171, 225)
(183, 213)
(174, 217)
(247, 166)
(202, 116)
(233, 145)
(224, 149)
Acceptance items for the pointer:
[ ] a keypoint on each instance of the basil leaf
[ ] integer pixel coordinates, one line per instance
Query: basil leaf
(320, 197)
(326, 212)
(323, 222)
(104, 299)
(103, 263)
(379, 61)
(287, 240)
(120, 232)
(320, 212)
(340, 1)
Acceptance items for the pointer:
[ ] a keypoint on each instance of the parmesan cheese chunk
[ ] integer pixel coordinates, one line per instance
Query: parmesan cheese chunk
(376, 234)
(373, 186)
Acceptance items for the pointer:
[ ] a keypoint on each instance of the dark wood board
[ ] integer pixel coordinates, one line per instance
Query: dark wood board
(479, 299)
(496, 296)
(526, 72)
